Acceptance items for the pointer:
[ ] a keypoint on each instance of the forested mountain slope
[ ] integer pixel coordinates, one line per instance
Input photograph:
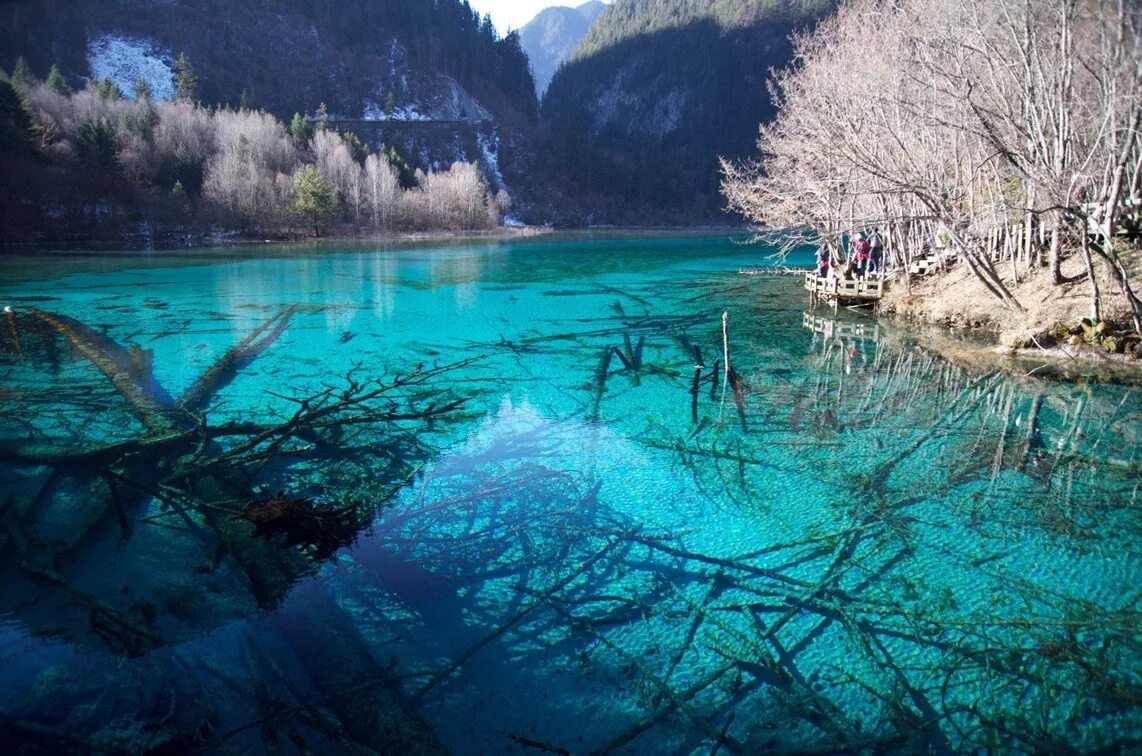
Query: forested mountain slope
(653, 94)
(428, 79)
(551, 37)
(287, 55)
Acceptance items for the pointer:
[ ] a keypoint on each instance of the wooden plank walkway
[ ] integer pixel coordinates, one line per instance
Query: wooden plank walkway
(843, 292)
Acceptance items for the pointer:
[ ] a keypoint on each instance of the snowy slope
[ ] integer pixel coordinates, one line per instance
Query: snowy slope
(126, 59)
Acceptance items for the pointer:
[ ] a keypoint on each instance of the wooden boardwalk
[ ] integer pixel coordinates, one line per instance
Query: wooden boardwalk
(843, 292)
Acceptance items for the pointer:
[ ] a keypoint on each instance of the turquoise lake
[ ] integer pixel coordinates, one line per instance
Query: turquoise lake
(534, 512)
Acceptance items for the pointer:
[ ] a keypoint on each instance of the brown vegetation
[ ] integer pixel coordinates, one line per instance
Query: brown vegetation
(1002, 134)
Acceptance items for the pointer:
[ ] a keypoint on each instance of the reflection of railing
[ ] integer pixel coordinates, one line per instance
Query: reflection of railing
(843, 291)
(841, 329)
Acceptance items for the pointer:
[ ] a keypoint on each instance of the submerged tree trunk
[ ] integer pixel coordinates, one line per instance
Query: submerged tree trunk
(362, 694)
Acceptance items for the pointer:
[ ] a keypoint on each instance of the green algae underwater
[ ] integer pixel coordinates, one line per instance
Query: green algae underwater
(504, 496)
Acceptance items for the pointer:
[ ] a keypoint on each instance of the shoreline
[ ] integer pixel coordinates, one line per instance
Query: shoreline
(134, 243)
(964, 326)
(1059, 363)
(176, 242)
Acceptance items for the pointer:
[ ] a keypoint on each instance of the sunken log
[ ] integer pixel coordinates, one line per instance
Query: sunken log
(128, 371)
(239, 356)
(364, 696)
(270, 567)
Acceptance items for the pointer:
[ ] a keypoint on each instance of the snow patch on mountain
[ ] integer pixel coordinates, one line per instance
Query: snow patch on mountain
(618, 99)
(456, 103)
(667, 114)
(376, 112)
(442, 99)
(490, 159)
(126, 59)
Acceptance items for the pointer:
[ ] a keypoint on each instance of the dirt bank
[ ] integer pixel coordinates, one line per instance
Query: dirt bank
(1050, 327)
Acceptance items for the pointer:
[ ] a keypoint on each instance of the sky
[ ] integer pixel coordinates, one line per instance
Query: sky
(513, 14)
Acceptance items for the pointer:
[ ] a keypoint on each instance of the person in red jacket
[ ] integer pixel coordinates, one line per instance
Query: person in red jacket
(859, 259)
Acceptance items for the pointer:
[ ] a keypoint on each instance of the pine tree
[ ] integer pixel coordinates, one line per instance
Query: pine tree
(56, 83)
(301, 130)
(246, 101)
(313, 199)
(179, 195)
(322, 117)
(390, 104)
(22, 75)
(143, 90)
(107, 89)
(186, 81)
(15, 123)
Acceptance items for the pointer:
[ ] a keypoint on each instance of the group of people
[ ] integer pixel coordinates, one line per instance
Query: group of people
(865, 258)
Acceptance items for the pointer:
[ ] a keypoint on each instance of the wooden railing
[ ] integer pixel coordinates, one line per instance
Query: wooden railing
(844, 288)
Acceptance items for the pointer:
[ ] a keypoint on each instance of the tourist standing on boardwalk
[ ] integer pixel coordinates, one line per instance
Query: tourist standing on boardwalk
(875, 253)
(858, 260)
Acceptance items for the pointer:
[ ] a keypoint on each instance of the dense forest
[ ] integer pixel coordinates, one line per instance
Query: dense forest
(93, 164)
(552, 36)
(654, 93)
(999, 138)
(630, 131)
(287, 55)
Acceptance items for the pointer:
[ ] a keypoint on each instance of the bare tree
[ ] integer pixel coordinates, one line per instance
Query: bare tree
(994, 122)
(383, 191)
(251, 150)
(336, 165)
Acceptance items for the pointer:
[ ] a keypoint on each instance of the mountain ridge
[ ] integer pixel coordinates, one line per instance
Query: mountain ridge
(653, 94)
(554, 33)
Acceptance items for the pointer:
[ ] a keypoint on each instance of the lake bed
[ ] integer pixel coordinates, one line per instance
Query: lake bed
(572, 527)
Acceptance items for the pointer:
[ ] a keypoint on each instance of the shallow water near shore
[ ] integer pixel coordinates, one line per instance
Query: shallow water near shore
(612, 544)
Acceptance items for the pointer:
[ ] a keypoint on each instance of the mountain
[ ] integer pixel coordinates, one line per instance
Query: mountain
(429, 77)
(550, 37)
(653, 94)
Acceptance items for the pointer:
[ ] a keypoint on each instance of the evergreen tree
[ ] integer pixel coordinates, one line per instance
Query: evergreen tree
(300, 130)
(357, 149)
(246, 101)
(56, 83)
(107, 89)
(143, 90)
(22, 75)
(143, 118)
(15, 123)
(314, 201)
(179, 195)
(322, 117)
(186, 81)
(94, 142)
(390, 103)
(406, 175)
